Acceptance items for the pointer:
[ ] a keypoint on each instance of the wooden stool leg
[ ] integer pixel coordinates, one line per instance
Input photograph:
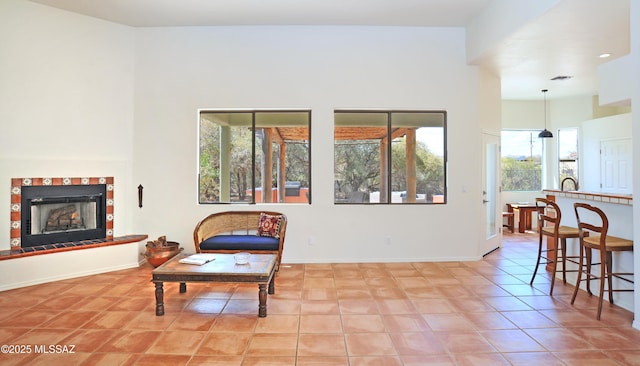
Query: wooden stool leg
(552, 258)
(563, 248)
(589, 255)
(609, 270)
(603, 265)
(535, 271)
(580, 271)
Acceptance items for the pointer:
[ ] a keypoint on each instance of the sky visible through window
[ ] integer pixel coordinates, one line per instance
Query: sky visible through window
(433, 137)
(526, 143)
(521, 144)
(567, 143)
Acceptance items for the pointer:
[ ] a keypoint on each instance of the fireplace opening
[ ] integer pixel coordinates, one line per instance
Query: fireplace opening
(50, 216)
(58, 214)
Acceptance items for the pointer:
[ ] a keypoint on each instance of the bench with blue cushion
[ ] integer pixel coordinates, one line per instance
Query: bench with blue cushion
(240, 231)
(240, 243)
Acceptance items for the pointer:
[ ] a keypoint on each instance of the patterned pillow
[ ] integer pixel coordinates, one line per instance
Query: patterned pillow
(269, 225)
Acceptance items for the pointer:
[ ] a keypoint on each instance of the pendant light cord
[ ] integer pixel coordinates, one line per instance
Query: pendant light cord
(545, 133)
(544, 91)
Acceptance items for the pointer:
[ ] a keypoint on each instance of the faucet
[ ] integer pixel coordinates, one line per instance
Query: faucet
(575, 183)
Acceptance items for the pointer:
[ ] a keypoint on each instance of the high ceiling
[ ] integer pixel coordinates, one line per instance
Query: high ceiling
(566, 41)
(160, 13)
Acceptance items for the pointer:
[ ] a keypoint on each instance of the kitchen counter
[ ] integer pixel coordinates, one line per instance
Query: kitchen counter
(619, 211)
(616, 198)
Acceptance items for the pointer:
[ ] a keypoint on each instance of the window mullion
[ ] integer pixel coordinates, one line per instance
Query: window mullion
(253, 158)
(388, 165)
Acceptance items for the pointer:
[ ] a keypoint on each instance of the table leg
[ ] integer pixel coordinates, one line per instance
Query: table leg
(183, 287)
(272, 287)
(159, 299)
(262, 297)
(511, 218)
(521, 220)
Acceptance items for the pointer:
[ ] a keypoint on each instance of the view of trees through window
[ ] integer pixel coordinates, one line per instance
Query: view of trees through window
(521, 160)
(254, 156)
(389, 157)
(568, 155)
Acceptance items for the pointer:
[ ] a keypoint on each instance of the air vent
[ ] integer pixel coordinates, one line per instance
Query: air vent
(561, 77)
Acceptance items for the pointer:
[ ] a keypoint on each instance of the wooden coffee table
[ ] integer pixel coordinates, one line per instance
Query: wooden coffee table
(260, 269)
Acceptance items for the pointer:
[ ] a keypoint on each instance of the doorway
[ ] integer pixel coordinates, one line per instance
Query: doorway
(491, 205)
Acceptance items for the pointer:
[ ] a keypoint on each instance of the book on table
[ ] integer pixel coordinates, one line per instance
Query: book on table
(198, 259)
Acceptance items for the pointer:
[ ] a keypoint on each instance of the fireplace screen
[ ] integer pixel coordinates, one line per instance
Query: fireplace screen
(58, 214)
(74, 213)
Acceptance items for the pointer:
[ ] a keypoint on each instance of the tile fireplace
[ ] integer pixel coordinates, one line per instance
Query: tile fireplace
(50, 211)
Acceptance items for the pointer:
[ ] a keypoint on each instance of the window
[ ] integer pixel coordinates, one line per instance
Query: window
(521, 160)
(568, 157)
(383, 157)
(254, 156)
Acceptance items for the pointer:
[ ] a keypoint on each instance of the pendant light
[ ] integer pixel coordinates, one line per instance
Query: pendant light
(545, 134)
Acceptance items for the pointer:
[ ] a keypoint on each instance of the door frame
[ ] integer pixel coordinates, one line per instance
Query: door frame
(490, 241)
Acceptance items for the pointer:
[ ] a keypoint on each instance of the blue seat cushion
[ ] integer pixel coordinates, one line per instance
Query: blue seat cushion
(240, 242)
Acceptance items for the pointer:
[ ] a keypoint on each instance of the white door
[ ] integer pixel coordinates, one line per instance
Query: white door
(615, 166)
(491, 205)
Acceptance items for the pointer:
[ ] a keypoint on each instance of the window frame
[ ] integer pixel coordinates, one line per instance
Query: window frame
(254, 153)
(561, 160)
(533, 136)
(389, 151)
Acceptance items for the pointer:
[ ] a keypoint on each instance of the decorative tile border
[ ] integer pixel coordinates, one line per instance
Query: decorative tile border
(593, 196)
(63, 247)
(16, 200)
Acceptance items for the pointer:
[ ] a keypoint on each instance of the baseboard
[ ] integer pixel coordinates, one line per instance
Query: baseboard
(34, 270)
(379, 260)
(42, 280)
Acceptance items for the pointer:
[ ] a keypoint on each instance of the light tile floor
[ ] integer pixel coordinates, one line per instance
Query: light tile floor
(452, 313)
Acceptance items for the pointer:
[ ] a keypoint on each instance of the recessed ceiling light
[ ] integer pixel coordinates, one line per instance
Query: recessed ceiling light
(605, 55)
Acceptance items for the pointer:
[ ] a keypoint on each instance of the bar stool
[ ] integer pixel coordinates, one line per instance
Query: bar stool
(606, 245)
(549, 212)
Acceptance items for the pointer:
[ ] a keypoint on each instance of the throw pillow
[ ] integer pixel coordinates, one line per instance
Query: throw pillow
(269, 225)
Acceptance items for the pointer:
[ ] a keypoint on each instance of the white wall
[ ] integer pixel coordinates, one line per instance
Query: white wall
(92, 98)
(179, 70)
(66, 85)
(615, 85)
(497, 21)
(593, 132)
(66, 110)
(66, 101)
(36, 269)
